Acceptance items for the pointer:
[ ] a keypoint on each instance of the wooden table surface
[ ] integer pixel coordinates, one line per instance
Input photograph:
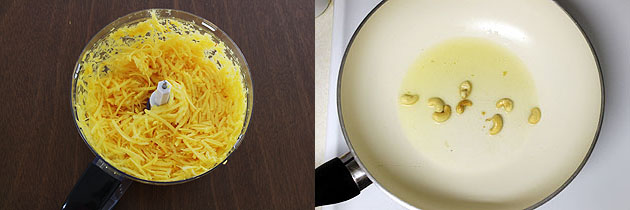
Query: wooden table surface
(42, 154)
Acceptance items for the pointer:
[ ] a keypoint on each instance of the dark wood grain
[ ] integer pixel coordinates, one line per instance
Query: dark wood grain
(42, 154)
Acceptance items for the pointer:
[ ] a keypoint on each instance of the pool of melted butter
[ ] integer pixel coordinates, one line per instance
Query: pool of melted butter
(462, 143)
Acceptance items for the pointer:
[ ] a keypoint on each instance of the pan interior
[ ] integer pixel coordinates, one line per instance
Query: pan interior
(566, 86)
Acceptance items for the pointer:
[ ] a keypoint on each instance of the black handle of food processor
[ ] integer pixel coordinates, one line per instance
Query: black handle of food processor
(98, 188)
(339, 179)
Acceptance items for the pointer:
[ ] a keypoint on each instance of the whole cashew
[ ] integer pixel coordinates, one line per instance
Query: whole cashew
(408, 99)
(497, 124)
(534, 116)
(437, 104)
(506, 104)
(464, 89)
(442, 116)
(461, 106)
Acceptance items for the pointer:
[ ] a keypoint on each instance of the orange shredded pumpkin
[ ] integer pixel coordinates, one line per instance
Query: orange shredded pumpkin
(186, 137)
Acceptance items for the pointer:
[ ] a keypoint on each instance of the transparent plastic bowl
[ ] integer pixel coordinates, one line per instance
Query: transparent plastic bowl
(109, 173)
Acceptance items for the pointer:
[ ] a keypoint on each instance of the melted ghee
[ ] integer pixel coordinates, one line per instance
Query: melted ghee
(463, 141)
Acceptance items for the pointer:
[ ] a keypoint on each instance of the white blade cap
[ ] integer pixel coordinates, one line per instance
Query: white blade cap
(161, 95)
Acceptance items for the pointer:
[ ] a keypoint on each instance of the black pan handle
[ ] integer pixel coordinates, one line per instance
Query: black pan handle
(339, 179)
(98, 188)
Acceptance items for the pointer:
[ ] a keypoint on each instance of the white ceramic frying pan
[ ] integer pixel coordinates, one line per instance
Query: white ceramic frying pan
(524, 168)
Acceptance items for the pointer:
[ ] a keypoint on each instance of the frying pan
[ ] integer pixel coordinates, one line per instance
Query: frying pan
(567, 81)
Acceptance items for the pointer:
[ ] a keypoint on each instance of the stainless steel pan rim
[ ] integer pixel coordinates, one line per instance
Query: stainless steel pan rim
(407, 205)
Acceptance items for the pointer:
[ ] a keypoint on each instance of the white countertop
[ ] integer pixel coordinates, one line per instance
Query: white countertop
(604, 183)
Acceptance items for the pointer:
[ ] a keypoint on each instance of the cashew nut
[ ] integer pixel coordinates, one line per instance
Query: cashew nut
(437, 104)
(408, 99)
(461, 106)
(534, 116)
(464, 89)
(506, 104)
(497, 124)
(442, 116)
